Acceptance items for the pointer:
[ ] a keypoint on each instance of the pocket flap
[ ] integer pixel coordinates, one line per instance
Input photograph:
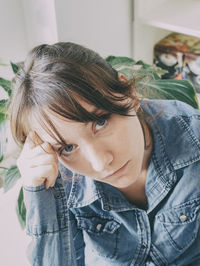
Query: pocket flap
(184, 213)
(97, 225)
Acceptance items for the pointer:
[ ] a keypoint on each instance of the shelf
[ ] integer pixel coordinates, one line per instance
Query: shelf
(174, 15)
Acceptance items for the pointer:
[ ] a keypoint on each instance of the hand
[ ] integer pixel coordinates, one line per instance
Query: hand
(37, 163)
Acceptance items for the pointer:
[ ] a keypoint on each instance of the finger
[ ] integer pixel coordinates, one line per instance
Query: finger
(50, 177)
(44, 171)
(47, 183)
(42, 149)
(43, 159)
(47, 147)
(38, 175)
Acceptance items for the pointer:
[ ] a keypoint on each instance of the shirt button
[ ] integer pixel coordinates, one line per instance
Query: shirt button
(57, 196)
(183, 218)
(144, 245)
(99, 227)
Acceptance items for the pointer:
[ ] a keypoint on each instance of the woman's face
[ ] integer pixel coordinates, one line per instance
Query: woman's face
(111, 151)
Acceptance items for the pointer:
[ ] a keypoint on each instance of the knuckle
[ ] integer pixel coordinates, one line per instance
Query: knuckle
(46, 147)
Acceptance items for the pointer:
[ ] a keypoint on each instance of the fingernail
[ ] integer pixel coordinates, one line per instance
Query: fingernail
(47, 185)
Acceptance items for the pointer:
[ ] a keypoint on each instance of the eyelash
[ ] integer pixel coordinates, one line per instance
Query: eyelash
(60, 151)
(104, 117)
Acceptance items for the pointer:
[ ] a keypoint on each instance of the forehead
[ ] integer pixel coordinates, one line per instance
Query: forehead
(66, 128)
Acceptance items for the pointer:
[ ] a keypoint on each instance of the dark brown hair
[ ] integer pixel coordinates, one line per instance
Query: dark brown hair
(55, 77)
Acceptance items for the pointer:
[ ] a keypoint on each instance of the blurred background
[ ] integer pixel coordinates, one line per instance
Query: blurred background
(111, 27)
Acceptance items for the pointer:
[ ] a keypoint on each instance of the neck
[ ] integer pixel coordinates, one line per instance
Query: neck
(136, 193)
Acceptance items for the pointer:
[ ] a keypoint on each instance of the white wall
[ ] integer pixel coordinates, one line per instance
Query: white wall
(40, 22)
(12, 30)
(102, 25)
(13, 45)
(24, 24)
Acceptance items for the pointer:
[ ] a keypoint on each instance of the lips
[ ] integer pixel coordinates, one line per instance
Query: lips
(118, 172)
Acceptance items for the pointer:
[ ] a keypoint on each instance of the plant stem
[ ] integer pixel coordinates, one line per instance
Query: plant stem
(1, 167)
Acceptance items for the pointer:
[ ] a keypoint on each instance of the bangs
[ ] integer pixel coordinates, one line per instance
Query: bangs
(92, 85)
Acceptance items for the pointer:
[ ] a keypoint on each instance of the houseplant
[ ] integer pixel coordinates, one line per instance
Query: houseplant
(9, 173)
(150, 85)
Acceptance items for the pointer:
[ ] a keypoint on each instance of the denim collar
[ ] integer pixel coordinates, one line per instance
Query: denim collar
(166, 161)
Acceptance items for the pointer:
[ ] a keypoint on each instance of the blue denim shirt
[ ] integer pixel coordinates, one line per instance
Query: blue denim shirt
(85, 222)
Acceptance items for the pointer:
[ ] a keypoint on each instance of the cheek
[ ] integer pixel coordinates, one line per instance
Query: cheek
(78, 165)
(130, 137)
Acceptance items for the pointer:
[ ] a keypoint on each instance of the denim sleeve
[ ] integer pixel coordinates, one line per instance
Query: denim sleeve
(48, 225)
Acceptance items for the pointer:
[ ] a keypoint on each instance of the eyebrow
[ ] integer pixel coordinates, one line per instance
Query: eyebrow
(97, 112)
(57, 145)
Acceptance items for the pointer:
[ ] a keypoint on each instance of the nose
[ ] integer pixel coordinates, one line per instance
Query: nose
(98, 156)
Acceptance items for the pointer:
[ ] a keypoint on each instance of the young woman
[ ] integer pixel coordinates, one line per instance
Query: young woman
(108, 179)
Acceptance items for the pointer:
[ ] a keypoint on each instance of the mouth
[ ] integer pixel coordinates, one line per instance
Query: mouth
(118, 172)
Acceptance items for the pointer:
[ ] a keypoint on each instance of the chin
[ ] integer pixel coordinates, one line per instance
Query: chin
(124, 182)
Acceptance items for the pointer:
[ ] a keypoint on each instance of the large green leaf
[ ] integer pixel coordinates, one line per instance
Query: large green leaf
(10, 177)
(6, 85)
(21, 209)
(128, 66)
(149, 83)
(119, 60)
(181, 90)
(15, 67)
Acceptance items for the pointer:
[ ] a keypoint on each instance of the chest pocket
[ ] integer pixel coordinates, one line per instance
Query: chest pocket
(178, 227)
(100, 235)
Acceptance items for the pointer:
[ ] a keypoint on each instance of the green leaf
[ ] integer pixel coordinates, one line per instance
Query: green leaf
(116, 60)
(3, 136)
(130, 67)
(1, 157)
(3, 106)
(2, 118)
(21, 209)
(15, 67)
(181, 90)
(6, 85)
(150, 85)
(10, 177)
